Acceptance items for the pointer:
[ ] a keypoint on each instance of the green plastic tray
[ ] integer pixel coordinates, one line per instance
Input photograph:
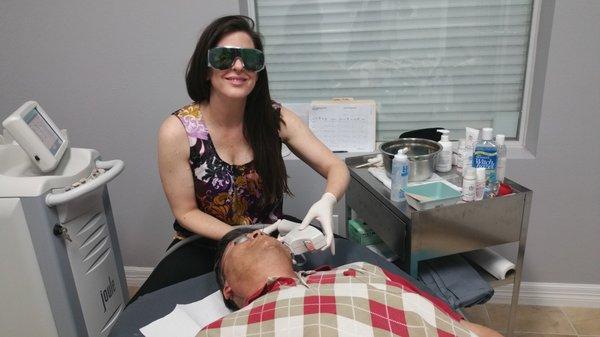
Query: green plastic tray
(430, 195)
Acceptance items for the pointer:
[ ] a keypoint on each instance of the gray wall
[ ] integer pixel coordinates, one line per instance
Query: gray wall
(565, 219)
(110, 72)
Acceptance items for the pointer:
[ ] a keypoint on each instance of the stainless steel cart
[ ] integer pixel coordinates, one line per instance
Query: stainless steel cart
(421, 235)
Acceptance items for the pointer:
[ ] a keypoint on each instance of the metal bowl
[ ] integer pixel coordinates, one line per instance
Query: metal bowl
(422, 154)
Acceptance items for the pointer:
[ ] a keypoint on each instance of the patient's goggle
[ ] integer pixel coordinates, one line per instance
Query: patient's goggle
(240, 239)
(222, 58)
(296, 259)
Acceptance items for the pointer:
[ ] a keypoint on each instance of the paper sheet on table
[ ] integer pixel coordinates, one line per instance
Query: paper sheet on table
(379, 173)
(187, 319)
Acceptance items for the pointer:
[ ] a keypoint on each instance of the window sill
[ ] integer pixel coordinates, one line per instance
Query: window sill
(518, 151)
(515, 150)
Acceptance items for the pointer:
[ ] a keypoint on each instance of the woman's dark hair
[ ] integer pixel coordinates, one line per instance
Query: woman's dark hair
(225, 240)
(261, 117)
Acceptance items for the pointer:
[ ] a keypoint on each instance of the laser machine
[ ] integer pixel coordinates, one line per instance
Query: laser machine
(61, 272)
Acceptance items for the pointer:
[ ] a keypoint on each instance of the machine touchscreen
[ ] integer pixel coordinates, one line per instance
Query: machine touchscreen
(37, 135)
(43, 130)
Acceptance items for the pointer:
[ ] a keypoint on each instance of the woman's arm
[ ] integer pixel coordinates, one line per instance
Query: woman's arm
(303, 143)
(178, 183)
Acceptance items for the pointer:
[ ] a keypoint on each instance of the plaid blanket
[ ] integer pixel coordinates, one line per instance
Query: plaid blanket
(357, 299)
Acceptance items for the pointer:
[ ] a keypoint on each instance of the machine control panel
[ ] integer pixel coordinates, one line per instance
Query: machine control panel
(95, 174)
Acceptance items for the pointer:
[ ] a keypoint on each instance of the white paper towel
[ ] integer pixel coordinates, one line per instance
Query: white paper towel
(492, 262)
(187, 319)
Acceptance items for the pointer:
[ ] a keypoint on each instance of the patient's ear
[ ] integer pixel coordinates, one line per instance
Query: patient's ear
(227, 292)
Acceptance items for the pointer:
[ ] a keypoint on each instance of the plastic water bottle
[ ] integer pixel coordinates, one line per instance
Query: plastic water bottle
(400, 171)
(486, 155)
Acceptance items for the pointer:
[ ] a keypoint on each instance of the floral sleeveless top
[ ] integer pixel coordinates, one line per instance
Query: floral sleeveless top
(230, 193)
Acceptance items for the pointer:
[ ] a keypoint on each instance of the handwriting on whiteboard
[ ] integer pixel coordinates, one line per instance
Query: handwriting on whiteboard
(344, 127)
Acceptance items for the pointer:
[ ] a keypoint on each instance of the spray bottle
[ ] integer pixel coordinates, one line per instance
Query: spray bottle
(400, 171)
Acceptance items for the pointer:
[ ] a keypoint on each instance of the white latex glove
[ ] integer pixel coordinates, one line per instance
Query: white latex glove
(322, 210)
(282, 226)
(272, 227)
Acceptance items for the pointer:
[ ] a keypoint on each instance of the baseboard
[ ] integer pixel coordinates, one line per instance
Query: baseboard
(552, 294)
(532, 293)
(136, 276)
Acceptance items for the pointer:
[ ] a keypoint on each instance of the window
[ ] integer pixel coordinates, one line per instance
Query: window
(427, 63)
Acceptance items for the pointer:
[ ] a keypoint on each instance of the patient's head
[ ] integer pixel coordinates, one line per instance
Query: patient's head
(246, 258)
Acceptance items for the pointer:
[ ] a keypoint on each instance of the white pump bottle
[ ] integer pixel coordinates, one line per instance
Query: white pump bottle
(400, 173)
(444, 159)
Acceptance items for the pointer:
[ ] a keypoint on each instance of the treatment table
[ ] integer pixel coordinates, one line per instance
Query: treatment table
(155, 305)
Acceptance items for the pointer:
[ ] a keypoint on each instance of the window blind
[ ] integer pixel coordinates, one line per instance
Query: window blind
(427, 63)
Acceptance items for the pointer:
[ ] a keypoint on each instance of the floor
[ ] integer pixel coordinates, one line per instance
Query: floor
(132, 290)
(532, 320)
(539, 321)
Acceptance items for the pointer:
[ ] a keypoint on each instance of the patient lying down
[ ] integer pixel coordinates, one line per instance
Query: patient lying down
(255, 274)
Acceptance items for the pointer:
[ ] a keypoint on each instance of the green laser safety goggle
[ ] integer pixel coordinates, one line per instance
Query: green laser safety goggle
(223, 58)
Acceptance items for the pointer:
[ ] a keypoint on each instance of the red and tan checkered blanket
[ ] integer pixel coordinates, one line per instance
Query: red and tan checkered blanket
(357, 299)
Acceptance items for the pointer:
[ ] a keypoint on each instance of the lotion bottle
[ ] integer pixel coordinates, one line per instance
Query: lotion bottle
(462, 152)
(444, 159)
(472, 135)
(469, 182)
(400, 171)
(480, 183)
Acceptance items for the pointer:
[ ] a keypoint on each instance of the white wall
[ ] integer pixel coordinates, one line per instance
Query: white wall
(111, 71)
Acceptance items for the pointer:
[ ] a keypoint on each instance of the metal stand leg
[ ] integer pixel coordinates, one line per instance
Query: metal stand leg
(414, 267)
(512, 314)
(514, 302)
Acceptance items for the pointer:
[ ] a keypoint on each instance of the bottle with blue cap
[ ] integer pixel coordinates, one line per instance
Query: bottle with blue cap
(400, 172)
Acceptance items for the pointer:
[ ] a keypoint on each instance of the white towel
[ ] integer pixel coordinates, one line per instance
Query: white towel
(187, 319)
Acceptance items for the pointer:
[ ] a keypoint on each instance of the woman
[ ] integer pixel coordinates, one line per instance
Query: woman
(220, 157)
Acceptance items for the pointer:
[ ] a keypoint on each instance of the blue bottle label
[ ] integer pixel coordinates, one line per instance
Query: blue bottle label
(404, 172)
(488, 160)
(400, 173)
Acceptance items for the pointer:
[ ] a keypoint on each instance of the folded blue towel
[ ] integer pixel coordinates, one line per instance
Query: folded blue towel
(453, 278)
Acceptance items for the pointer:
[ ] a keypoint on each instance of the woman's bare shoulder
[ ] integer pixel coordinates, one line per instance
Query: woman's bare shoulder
(171, 131)
(290, 121)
